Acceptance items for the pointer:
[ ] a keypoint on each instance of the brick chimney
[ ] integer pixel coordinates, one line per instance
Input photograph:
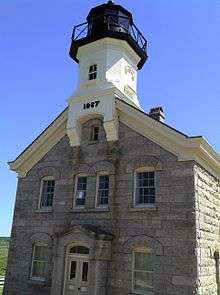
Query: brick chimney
(157, 114)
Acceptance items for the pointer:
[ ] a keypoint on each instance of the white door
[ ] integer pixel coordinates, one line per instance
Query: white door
(77, 269)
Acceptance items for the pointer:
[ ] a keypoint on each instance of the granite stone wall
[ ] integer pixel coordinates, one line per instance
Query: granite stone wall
(207, 192)
(168, 227)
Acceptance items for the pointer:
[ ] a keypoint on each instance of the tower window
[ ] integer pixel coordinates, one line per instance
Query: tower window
(94, 133)
(93, 69)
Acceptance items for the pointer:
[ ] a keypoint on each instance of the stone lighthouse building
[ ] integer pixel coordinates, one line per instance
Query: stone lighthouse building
(112, 200)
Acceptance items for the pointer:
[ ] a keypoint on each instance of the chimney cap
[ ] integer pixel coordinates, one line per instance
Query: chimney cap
(157, 113)
(156, 109)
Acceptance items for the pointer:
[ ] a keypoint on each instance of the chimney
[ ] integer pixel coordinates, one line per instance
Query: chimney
(157, 114)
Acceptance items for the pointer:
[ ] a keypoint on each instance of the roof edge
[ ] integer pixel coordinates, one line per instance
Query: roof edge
(186, 148)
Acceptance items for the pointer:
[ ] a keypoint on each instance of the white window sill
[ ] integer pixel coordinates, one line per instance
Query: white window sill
(152, 207)
(44, 210)
(88, 210)
(101, 209)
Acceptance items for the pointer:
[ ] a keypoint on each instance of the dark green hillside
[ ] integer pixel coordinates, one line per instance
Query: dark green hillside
(4, 244)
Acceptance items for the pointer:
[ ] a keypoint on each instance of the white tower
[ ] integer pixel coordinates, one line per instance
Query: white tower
(110, 50)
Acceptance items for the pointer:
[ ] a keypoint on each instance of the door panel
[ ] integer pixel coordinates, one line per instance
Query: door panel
(77, 276)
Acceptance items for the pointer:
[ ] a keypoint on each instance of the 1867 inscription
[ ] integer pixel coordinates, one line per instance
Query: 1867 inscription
(92, 104)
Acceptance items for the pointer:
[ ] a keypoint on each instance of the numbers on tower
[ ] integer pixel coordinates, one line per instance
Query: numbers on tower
(92, 104)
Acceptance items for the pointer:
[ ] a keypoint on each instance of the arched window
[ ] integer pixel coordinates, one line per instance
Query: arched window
(79, 250)
(143, 271)
(93, 70)
(40, 261)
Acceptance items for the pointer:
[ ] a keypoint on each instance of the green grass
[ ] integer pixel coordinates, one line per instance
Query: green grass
(1, 290)
(4, 244)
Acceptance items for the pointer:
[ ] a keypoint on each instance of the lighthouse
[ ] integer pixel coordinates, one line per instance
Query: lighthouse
(110, 199)
(110, 50)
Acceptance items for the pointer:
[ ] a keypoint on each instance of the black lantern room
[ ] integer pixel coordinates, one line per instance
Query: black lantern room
(109, 20)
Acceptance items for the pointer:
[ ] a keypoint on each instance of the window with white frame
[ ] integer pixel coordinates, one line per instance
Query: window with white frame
(80, 193)
(103, 190)
(47, 192)
(39, 262)
(144, 187)
(94, 133)
(93, 70)
(143, 271)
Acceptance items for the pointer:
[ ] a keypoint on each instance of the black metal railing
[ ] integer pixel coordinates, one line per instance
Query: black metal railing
(112, 23)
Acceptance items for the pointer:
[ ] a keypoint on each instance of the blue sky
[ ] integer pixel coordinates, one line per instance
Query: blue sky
(37, 75)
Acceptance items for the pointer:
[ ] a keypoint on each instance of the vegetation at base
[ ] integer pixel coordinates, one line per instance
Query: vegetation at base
(1, 290)
(4, 244)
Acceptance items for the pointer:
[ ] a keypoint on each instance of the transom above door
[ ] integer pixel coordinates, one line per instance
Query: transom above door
(77, 271)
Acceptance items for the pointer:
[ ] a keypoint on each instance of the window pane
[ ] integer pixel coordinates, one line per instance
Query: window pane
(81, 183)
(85, 271)
(103, 181)
(144, 261)
(39, 269)
(79, 250)
(93, 72)
(143, 280)
(73, 270)
(143, 272)
(80, 198)
(41, 253)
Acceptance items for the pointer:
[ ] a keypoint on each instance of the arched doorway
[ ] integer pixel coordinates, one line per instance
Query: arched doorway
(77, 270)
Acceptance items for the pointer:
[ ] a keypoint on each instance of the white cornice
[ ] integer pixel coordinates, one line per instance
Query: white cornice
(184, 147)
